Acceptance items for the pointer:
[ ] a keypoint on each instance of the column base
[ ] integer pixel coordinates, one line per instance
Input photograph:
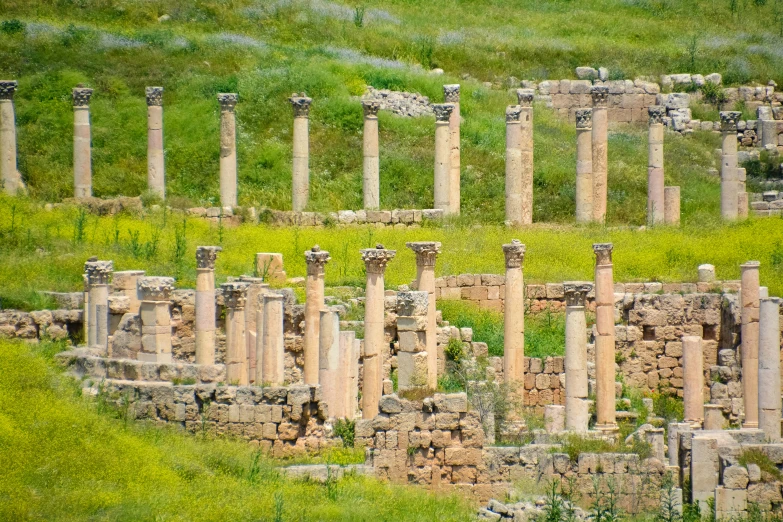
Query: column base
(695, 424)
(750, 425)
(607, 428)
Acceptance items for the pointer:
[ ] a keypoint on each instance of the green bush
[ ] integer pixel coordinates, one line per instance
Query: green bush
(769, 471)
(346, 430)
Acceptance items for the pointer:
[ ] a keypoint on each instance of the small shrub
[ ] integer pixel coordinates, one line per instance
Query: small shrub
(769, 471)
(346, 430)
(149, 198)
(358, 16)
(714, 93)
(667, 407)
(12, 26)
(454, 350)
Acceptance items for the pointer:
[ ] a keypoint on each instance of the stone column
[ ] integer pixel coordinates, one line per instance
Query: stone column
(314, 301)
(301, 167)
(205, 303)
(228, 149)
(443, 156)
(604, 341)
(235, 297)
(426, 255)
(451, 95)
(413, 354)
(9, 175)
(329, 359)
(253, 311)
(273, 359)
(126, 283)
(371, 178)
(155, 319)
(600, 137)
(82, 143)
(514, 209)
(769, 133)
(525, 101)
(742, 204)
(514, 315)
(375, 261)
(156, 174)
(693, 380)
(353, 389)
(728, 164)
(749, 335)
(584, 165)
(671, 205)
(656, 203)
(98, 275)
(576, 403)
(344, 372)
(769, 368)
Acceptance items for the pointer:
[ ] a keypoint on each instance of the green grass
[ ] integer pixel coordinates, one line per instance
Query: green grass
(67, 461)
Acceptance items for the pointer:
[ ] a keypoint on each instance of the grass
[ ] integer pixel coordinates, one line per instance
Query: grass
(574, 445)
(73, 463)
(769, 471)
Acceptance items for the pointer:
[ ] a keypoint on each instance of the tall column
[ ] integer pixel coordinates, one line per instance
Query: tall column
(514, 314)
(576, 403)
(375, 261)
(316, 260)
(329, 359)
(228, 149)
(525, 101)
(98, 276)
(584, 165)
(371, 181)
(671, 205)
(769, 368)
(205, 303)
(600, 137)
(728, 164)
(426, 255)
(9, 175)
(301, 167)
(655, 178)
(155, 319)
(256, 287)
(235, 297)
(443, 156)
(273, 358)
(156, 174)
(353, 385)
(82, 143)
(749, 334)
(344, 372)
(604, 341)
(451, 95)
(693, 380)
(514, 209)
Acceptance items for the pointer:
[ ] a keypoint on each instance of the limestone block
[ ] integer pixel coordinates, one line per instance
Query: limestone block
(453, 402)
(735, 477)
(730, 502)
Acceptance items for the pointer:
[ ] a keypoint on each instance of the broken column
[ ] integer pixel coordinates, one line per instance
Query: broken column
(519, 160)
(156, 177)
(375, 261)
(272, 364)
(205, 303)
(769, 368)
(514, 315)
(604, 340)
(126, 283)
(98, 275)
(728, 164)
(451, 95)
(253, 310)
(769, 133)
(656, 203)
(235, 297)
(600, 137)
(576, 403)
(705, 465)
(671, 205)
(82, 143)
(443, 156)
(9, 175)
(371, 167)
(584, 165)
(301, 165)
(413, 352)
(426, 255)
(693, 380)
(314, 301)
(329, 359)
(228, 149)
(749, 334)
(155, 319)
(346, 397)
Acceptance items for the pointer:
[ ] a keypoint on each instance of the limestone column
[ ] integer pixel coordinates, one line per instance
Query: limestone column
(728, 164)
(769, 368)
(514, 314)
(235, 297)
(525, 101)
(228, 149)
(344, 372)
(749, 335)
(769, 133)
(273, 359)
(584, 165)
(443, 156)
(82, 154)
(451, 95)
(156, 174)
(412, 355)
(9, 175)
(328, 361)
(98, 275)
(353, 385)
(576, 403)
(155, 319)
(693, 380)
(126, 283)
(600, 137)
(655, 179)
(671, 205)
(514, 209)
(604, 341)
(426, 255)
(316, 260)
(371, 168)
(205, 303)
(301, 167)
(375, 261)
(256, 287)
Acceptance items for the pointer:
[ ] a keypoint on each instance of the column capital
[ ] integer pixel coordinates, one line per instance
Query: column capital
(728, 120)
(155, 288)
(235, 294)
(426, 252)
(301, 105)
(600, 96)
(442, 111)
(206, 256)
(603, 253)
(154, 96)
(576, 292)
(371, 108)
(81, 96)
(656, 113)
(376, 259)
(513, 113)
(228, 101)
(584, 118)
(412, 303)
(98, 272)
(525, 97)
(515, 253)
(7, 89)
(316, 259)
(451, 93)
(777, 301)
(750, 265)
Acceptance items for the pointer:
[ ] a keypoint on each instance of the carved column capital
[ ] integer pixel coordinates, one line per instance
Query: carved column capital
(7, 89)
(426, 252)
(316, 260)
(525, 97)
(412, 303)
(228, 101)
(729, 120)
(154, 96)
(600, 96)
(371, 108)
(451, 93)
(98, 272)
(301, 105)
(442, 111)
(603, 253)
(81, 96)
(584, 118)
(235, 294)
(376, 259)
(206, 256)
(515, 254)
(155, 288)
(656, 114)
(513, 113)
(576, 292)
